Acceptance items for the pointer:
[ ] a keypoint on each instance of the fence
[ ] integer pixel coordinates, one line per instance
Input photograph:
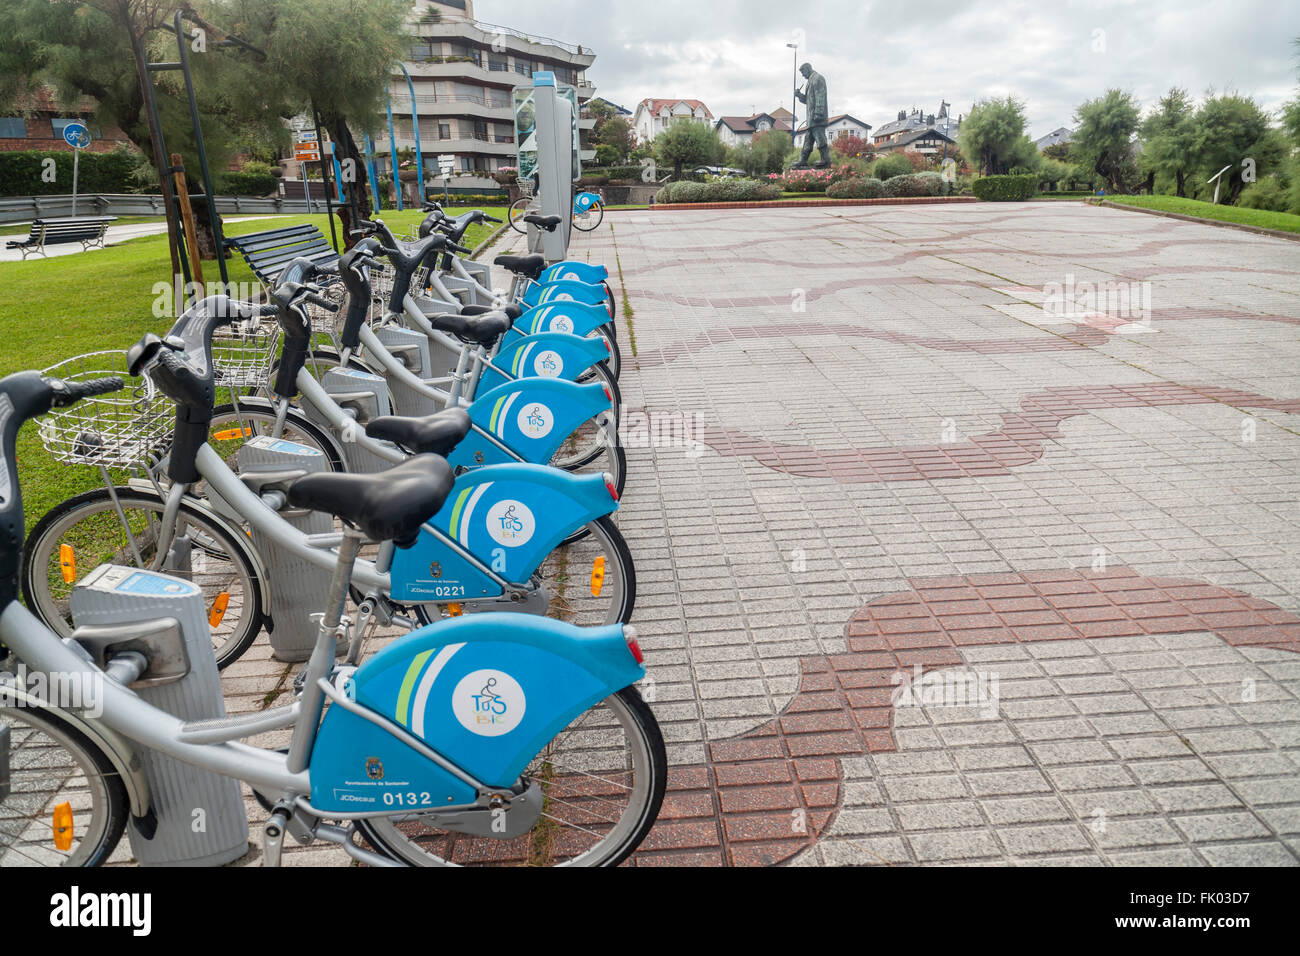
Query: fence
(25, 208)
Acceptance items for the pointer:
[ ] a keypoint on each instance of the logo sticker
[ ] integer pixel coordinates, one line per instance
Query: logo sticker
(488, 703)
(511, 523)
(535, 420)
(548, 364)
(374, 768)
(570, 275)
(562, 323)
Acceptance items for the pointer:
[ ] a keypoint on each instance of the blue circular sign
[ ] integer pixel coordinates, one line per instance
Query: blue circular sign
(77, 135)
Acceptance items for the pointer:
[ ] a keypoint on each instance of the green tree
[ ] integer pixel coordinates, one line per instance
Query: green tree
(1170, 138)
(617, 135)
(688, 143)
(1235, 132)
(1104, 138)
(772, 151)
(993, 136)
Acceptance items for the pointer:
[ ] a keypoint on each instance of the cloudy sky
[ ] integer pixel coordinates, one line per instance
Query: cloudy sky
(880, 56)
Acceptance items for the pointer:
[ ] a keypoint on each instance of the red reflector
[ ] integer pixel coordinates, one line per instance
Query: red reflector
(608, 394)
(609, 486)
(629, 635)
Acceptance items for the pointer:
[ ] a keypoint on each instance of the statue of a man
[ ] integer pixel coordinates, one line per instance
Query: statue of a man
(814, 95)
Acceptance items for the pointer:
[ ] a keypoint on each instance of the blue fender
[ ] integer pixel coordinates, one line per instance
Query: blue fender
(572, 269)
(530, 416)
(486, 691)
(545, 355)
(511, 517)
(564, 290)
(575, 318)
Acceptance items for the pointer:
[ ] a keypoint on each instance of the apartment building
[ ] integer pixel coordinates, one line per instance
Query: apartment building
(464, 71)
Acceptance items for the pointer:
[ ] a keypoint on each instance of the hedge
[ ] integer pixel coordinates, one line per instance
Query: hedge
(721, 190)
(244, 184)
(614, 172)
(21, 173)
(916, 184)
(1005, 188)
(863, 187)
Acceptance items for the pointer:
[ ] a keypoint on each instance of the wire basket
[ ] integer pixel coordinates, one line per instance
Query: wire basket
(323, 321)
(525, 187)
(242, 354)
(123, 428)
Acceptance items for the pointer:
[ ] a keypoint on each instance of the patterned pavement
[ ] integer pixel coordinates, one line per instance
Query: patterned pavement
(981, 546)
(963, 534)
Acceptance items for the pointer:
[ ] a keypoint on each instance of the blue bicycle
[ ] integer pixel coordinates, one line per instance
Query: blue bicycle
(588, 212)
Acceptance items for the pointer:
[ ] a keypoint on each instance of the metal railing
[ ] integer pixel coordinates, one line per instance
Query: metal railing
(14, 209)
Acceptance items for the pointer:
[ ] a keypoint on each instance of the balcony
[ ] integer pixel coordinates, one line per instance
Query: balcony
(540, 47)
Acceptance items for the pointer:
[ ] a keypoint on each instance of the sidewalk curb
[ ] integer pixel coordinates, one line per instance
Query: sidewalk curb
(1258, 230)
(810, 203)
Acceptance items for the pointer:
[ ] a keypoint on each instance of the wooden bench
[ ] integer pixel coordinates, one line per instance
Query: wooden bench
(268, 253)
(87, 230)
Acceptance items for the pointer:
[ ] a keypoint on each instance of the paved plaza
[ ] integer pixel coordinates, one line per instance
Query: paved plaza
(963, 534)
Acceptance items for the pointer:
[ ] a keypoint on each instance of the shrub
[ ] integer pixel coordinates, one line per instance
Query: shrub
(21, 172)
(1004, 188)
(613, 173)
(862, 187)
(721, 190)
(916, 184)
(245, 183)
(806, 180)
(891, 165)
(1268, 194)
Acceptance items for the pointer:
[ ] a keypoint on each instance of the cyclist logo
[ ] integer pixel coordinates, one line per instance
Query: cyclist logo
(488, 703)
(562, 323)
(511, 523)
(548, 364)
(374, 768)
(535, 420)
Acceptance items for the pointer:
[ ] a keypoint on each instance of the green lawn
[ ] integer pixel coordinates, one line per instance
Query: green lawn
(52, 309)
(1261, 218)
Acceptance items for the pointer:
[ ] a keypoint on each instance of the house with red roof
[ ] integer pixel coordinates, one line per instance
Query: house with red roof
(653, 116)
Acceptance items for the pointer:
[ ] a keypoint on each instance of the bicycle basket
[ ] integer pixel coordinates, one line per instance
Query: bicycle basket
(323, 321)
(121, 428)
(242, 354)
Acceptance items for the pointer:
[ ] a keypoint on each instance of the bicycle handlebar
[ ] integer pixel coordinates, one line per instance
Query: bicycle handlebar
(69, 393)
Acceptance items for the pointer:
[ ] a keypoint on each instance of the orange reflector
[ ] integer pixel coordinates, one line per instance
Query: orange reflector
(218, 609)
(68, 563)
(597, 575)
(454, 610)
(63, 826)
(231, 433)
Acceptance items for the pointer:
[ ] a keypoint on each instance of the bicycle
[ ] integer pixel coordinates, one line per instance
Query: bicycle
(588, 212)
(433, 778)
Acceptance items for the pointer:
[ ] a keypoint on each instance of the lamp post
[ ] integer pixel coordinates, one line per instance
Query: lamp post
(794, 88)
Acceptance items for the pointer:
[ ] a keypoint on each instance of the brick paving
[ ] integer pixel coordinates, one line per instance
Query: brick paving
(938, 575)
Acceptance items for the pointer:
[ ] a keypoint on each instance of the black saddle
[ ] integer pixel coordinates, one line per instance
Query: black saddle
(434, 434)
(512, 311)
(482, 329)
(543, 222)
(391, 504)
(529, 266)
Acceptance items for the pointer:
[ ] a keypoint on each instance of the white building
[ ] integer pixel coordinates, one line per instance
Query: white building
(653, 116)
(843, 123)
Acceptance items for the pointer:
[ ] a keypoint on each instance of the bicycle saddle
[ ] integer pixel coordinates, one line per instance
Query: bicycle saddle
(530, 266)
(480, 329)
(543, 222)
(512, 310)
(391, 504)
(435, 434)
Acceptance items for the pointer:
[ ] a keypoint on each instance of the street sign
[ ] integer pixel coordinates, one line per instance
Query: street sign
(76, 135)
(307, 135)
(446, 163)
(306, 152)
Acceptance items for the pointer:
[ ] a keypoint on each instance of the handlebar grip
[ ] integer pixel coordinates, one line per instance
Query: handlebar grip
(321, 301)
(492, 218)
(456, 247)
(69, 393)
(268, 311)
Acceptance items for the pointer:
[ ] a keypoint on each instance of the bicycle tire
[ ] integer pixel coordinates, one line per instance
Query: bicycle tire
(599, 208)
(108, 798)
(42, 562)
(519, 209)
(304, 431)
(649, 776)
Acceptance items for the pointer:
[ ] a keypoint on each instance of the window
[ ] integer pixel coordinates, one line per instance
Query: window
(60, 122)
(444, 131)
(523, 67)
(498, 64)
(13, 127)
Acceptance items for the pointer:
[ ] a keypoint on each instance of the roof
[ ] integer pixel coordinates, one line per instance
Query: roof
(745, 124)
(620, 110)
(908, 138)
(916, 120)
(847, 116)
(1058, 135)
(655, 105)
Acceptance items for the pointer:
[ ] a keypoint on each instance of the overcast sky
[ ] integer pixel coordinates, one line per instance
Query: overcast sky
(880, 56)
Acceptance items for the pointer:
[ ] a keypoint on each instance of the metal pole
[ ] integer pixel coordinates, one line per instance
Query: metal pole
(213, 218)
(76, 162)
(371, 172)
(325, 179)
(415, 126)
(156, 140)
(794, 89)
(392, 152)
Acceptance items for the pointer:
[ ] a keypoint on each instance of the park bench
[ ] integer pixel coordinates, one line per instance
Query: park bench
(268, 253)
(87, 230)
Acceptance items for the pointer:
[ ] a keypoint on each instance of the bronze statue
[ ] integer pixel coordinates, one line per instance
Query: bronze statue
(814, 95)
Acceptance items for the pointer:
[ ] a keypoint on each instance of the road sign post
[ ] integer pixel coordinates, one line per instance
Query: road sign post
(306, 150)
(446, 163)
(78, 137)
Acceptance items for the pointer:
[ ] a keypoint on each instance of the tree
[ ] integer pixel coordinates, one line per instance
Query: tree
(618, 138)
(1170, 137)
(1235, 132)
(850, 146)
(1104, 139)
(993, 136)
(772, 150)
(688, 143)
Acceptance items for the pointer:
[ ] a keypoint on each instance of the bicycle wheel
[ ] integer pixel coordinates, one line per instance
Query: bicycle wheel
(615, 361)
(232, 426)
(49, 763)
(519, 209)
(86, 531)
(590, 218)
(602, 780)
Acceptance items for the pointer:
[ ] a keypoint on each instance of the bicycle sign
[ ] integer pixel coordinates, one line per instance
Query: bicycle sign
(76, 135)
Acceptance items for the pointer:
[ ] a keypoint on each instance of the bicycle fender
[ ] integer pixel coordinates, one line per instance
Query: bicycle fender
(120, 751)
(564, 290)
(575, 318)
(544, 355)
(486, 691)
(574, 270)
(510, 517)
(530, 416)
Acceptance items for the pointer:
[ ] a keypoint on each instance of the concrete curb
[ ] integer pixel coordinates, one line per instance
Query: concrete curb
(807, 203)
(486, 244)
(1258, 230)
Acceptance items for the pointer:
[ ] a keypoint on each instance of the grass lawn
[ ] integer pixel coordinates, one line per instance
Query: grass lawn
(1261, 218)
(53, 309)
